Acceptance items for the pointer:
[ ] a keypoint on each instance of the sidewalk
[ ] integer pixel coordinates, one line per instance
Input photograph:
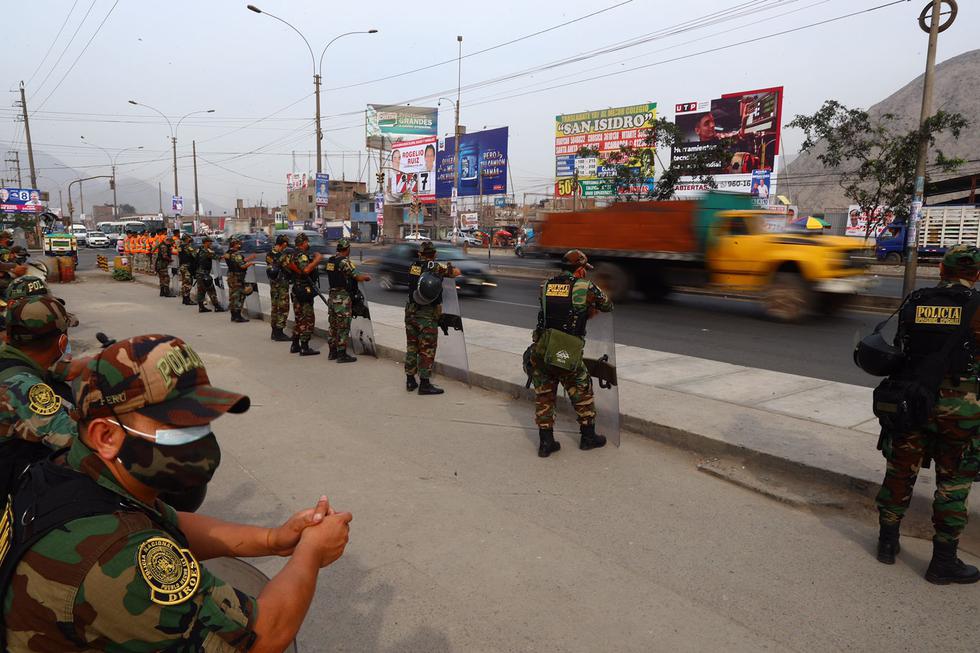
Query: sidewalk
(797, 425)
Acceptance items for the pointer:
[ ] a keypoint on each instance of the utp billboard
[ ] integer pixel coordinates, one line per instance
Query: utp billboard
(605, 130)
(482, 164)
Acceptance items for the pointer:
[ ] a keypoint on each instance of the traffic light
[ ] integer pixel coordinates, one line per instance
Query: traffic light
(381, 178)
(112, 183)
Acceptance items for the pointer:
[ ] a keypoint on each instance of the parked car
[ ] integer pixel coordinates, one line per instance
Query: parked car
(317, 242)
(97, 239)
(80, 233)
(416, 237)
(257, 243)
(395, 263)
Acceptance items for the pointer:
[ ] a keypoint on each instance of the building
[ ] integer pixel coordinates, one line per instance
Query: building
(363, 218)
(258, 218)
(302, 202)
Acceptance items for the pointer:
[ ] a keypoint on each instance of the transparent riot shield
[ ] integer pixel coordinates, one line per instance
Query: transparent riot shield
(242, 576)
(451, 351)
(219, 274)
(361, 329)
(174, 281)
(253, 302)
(600, 358)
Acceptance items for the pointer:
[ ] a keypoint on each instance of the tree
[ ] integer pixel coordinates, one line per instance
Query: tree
(874, 156)
(127, 209)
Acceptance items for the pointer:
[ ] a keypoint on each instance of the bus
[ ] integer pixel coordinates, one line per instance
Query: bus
(116, 230)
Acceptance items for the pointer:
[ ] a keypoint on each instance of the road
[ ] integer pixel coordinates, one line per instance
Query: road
(464, 541)
(728, 330)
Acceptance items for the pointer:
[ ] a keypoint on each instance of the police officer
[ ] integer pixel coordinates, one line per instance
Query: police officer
(118, 567)
(237, 265)
(187, 259)
(206, 256)
(9, 268)
(279, 277)
(939, 328)
(306, 282)
(567, 301)
(343, 277)
(422, 322)
(162, 258)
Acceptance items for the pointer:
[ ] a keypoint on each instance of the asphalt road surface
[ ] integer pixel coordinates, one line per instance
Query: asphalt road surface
(729, 330)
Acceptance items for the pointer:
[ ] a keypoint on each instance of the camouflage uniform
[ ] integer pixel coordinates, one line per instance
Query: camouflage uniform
(7, 260)
(422, 327)
(305, 320)
(279, 289)
(186, 251)
(162, 258)
(205, 284)
(577, 382)
(236, 280)
(340, 306)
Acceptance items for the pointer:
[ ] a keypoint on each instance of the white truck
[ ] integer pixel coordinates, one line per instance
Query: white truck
(941, 228)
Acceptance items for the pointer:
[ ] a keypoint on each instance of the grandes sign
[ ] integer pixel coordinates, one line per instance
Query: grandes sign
(20, 200)
(748, 123)
(482, 164)
(411, 172)
(388, 124)
(595, 136)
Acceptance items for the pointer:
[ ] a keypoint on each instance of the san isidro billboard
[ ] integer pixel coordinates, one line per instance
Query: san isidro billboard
(606, 131)
(408, 136)
(482, 166)
(749, 124)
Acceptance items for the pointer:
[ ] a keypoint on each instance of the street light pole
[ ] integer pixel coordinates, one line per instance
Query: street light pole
(112, 164)
(459, 84)
(931, 13)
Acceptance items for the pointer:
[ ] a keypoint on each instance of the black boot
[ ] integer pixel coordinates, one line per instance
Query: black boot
(410, 383)
(295, 348)
(344, 357)
(219, 309)
(589, 438)
(163, 292)
(201, 308)
(426, 388)
(279, 336)
(332, 356)
(946, 568)
(236, 316)
(888, 546)
(187, 301)
(304, 350)
(548, 445)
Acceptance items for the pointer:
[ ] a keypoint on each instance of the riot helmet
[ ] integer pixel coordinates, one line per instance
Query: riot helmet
(875, 356)
(429, 289)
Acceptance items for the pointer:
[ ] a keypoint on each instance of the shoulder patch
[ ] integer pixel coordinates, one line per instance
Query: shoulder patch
(171, 572)
(43, 400)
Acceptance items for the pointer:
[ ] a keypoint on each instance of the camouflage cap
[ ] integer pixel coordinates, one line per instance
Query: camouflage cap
(302, 238)
(26, 286)
(343, 244)
(158, 376)
(31, 318)
(961, 260)
(282, 239)
(574, 259)
(427, 247)
(234, 240)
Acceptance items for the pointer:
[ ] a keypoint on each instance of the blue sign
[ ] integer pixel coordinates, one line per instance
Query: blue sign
(500, 202)
(20, 200)
(565, 165)
(322, 189)
(482, 164)
(761, 183)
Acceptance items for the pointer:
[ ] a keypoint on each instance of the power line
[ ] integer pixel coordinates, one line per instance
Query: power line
(65, 50)
(53, 42)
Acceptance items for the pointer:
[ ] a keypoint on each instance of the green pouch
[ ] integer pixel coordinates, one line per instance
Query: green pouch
(561, 350)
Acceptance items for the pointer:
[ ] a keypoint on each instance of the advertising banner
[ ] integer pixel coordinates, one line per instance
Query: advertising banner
(749, 122)
(482, 164)
(410, 174)
(761, 181)
(322, 189)
(857, 221)
(177, 204)
(20, 200)
(388, 124)
(606, 130)
(295, 181)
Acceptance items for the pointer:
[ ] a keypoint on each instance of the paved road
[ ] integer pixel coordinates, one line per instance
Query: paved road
(464, 541)
(728, 330)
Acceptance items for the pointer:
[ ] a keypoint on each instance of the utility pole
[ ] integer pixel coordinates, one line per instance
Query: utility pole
(932, 13)
(14, 161)
(160, 192)
(174, 140)
(115, 200)
(27, 134)
(459, 84)
(196, 200)
(319, 134)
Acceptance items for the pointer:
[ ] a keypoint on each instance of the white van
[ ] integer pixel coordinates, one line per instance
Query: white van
(81, 233)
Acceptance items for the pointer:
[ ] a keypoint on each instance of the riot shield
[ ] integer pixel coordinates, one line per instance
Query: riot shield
(361, 329)
(253, 303)
(218, 274)
(174, 281)
(600, 358)
(451, 351)
(242, 576)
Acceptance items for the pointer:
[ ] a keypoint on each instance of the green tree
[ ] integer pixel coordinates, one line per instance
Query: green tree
(127, 209)
(874, 155)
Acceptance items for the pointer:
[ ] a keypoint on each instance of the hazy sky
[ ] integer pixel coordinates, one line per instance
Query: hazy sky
(182, 55)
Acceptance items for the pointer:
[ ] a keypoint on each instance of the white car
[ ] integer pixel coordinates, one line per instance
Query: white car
(97, 239)
(416, 236)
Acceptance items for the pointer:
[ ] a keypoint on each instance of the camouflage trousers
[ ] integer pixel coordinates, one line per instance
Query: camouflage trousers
(340, 317)
(236, 291)
(304, 320)
(186, 281)
(205, 286)
(422, 336)
(280, 304)
(577, 384)
(164, 277)
(953, 439)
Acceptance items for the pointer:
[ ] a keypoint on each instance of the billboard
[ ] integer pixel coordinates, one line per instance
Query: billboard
(857, 221)
(483, 164)
(606, 130)
(411, 171)
(749, 122)
(177, 204)
(20, 200)
(387, 124)
(322, 189)
(295, 181)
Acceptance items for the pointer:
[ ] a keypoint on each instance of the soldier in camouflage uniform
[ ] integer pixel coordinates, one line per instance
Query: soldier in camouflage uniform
(567, 301)
(275, 262)
(118, 570)
(205, 284)
(237, 265)
(952, 437)
(343, 277)
(305, 288)
(9, 268)
(187, 259)
(422, 323)
(163, 256)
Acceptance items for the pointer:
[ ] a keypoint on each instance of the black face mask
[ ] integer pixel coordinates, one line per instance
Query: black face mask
(187, 501)
(174, 469)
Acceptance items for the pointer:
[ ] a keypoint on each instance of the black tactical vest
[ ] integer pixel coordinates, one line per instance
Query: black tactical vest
(415, 272)
(186, 255)
(336, 278)
(560, 311)
(929, 319)
(203, 262)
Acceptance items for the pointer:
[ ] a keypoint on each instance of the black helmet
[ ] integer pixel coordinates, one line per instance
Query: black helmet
(428, 290)
(282, 239)
(876, 357)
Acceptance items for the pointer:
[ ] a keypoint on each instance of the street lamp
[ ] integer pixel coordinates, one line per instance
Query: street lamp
(112, 163)
(173, 131)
